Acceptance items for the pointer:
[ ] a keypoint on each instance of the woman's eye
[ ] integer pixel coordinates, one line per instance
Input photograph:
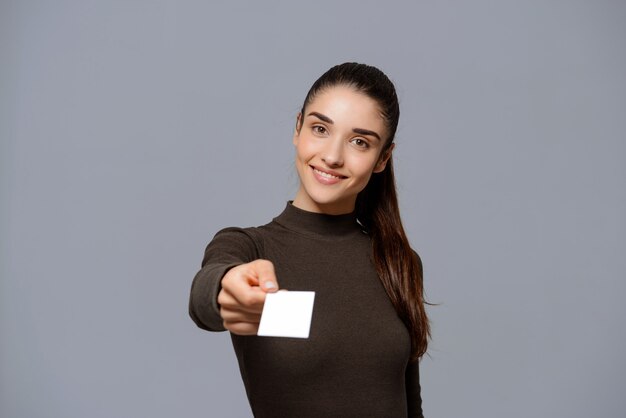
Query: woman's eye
(360, 142)
(319, 129)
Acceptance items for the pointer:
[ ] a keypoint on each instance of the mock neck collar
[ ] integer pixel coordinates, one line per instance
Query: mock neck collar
(318, 224)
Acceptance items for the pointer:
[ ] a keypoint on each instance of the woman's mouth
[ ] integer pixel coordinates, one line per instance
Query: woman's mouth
(325, 177)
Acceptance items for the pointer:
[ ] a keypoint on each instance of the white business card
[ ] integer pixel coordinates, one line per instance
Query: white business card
(287, 314)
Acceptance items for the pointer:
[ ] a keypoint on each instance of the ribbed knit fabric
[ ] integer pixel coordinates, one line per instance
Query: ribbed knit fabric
(355, 362)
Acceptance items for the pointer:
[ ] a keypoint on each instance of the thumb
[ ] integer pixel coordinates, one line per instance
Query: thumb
(266, 276)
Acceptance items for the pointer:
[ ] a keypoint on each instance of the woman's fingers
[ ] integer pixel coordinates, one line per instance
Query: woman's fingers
(242, 328)
(248, 283)
(242, 296)
(247, 300)
(265, 275)
(239, 316)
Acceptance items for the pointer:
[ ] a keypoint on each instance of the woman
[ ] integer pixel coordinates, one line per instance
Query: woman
(341, 237)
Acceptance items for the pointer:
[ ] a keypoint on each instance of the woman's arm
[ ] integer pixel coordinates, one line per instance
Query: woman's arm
(413, 390)
(228, 293)
(229, 248)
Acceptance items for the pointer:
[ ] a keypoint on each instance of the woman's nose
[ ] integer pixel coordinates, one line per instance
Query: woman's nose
(333, 153)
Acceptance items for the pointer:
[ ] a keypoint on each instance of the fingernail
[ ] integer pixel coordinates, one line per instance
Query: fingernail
(270, 285)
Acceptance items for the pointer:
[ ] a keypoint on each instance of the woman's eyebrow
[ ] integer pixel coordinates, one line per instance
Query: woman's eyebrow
(361, 131)
(321, 117)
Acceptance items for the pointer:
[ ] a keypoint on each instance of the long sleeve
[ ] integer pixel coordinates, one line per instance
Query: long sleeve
(413, 390)
(229, 248)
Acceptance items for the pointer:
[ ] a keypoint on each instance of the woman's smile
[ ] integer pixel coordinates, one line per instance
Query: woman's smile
(327, 176)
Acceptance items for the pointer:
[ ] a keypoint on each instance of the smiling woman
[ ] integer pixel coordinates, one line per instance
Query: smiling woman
(341, 237)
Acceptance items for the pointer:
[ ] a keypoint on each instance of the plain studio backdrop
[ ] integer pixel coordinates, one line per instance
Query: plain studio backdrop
(132, 131)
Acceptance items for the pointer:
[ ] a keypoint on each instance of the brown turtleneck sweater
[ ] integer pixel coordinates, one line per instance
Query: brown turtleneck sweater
(355, 362)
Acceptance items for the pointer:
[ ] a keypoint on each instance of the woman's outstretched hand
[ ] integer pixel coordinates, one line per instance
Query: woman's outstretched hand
(243, 295)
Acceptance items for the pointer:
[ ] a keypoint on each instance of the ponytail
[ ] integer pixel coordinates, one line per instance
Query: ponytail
(399, 267)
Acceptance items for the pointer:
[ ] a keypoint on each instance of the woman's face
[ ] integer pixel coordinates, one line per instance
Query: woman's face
(339, 141)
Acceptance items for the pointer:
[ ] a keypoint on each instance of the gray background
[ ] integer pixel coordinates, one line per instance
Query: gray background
(131, 131)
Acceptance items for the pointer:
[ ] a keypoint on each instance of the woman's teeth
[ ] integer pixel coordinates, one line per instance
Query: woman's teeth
(330, 176)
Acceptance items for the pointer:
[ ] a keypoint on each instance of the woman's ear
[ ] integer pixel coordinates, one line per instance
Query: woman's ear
(296, 131)
(382, 162)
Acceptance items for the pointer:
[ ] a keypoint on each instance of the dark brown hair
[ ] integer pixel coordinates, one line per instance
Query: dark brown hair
(398, 266)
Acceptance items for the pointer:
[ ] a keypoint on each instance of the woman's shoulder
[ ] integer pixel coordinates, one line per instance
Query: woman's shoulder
(250, 239)
(250, 233)
(246, 242)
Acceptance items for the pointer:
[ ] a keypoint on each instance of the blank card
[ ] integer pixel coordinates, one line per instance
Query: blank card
(287, 314)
